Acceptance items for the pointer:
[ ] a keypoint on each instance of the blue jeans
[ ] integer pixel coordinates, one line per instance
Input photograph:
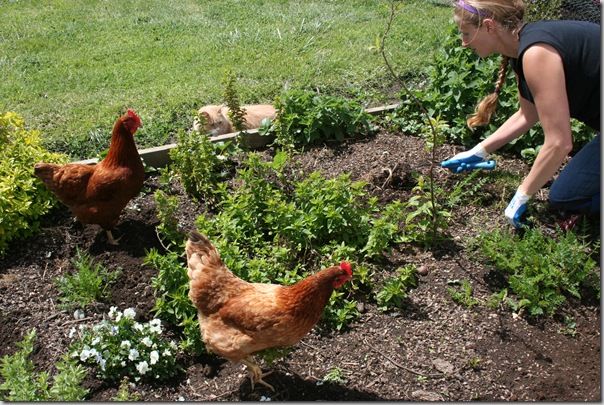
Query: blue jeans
(577, 188)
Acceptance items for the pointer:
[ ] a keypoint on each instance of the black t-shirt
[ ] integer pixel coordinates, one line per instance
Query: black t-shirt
(578, 43)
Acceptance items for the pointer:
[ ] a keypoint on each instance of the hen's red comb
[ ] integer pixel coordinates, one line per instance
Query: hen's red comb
(346, 267)
(133, 115)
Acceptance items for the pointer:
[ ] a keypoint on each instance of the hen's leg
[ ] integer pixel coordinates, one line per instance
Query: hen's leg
(255, 374)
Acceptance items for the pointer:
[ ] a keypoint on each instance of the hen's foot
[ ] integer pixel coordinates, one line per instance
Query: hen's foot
(111, 240)
(255, 374)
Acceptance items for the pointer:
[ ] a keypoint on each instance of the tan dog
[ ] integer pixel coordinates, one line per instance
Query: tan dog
(218, 121)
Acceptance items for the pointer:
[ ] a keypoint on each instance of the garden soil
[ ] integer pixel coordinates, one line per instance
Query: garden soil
(431, 349)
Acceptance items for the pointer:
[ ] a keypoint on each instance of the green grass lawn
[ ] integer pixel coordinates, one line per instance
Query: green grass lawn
(70, 68)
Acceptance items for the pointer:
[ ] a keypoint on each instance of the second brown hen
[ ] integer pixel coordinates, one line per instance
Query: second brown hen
(238, 318)
(97, 194)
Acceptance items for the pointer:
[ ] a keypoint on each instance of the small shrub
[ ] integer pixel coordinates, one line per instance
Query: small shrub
(23, 197)
(231, 98)
(120, 346)
(87, 285)
(335, 376)
(169, 228)
(22, 384)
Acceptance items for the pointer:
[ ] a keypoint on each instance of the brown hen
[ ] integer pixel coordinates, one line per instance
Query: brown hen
(238, 319)
(97, 194)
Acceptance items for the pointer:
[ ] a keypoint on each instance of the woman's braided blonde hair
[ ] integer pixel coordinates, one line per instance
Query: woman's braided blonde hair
(509, 14)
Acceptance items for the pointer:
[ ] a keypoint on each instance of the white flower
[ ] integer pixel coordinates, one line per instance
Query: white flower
(155, 326)
(72, 332)
(129, 313)
(112, 311)
(96, 341)
(114, 330)
(102, 363)
(123, 364)
(142, 367)
(138, 326)
(154, 356)
(125, 344)
(133, 354)
(146, 341)
(166, 353)
(173, 345)
(118, 317)
(84, 355)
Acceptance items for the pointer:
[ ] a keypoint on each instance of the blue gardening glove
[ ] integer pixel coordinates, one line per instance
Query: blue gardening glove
(516, 208)
(466, 161)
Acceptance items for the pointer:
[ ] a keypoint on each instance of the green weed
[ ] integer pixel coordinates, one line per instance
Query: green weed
(396, 289)
(463, 297)
(89, 283)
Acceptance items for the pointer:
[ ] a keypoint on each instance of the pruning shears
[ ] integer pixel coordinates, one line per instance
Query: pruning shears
(460, 167)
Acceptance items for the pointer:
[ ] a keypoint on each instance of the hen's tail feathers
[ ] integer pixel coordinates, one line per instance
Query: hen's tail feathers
(199, 244)
(45, 171)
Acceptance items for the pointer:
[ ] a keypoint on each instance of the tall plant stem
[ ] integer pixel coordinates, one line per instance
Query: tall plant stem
(382, 49)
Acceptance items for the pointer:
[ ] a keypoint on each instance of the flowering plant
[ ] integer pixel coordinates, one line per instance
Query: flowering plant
(120, 346)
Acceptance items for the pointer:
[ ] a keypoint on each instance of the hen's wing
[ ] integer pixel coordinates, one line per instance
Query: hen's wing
(68, 182)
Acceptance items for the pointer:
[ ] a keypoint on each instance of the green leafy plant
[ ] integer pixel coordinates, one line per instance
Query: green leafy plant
(87, 285)
(463, 297)
(542, 271)
(396, 289)
(474, 363)
(200, 165)
(22, 384)
(24, 199)
(168, 228)
(120, 346)
(305, 118)
(570, 326)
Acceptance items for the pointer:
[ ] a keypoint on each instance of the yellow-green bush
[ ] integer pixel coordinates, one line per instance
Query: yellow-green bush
(23, 197)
